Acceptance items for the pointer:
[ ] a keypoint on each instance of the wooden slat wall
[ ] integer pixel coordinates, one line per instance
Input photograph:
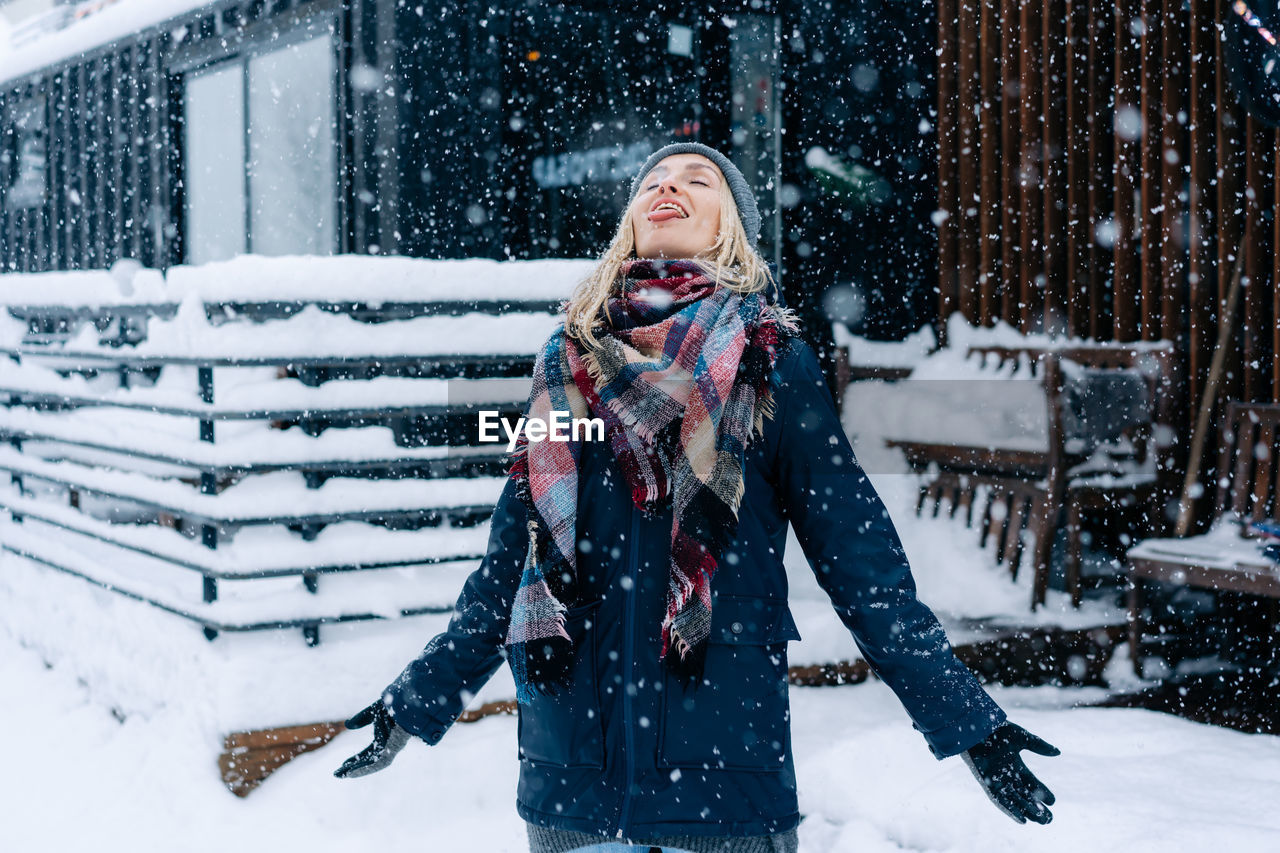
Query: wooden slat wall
(1098, 178)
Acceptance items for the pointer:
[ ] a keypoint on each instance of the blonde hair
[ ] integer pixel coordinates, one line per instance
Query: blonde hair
(731, 262)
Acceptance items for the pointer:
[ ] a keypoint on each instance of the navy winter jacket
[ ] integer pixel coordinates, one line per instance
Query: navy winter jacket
(626, 753)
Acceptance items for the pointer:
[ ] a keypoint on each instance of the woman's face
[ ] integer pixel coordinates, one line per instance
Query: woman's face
(676, 214)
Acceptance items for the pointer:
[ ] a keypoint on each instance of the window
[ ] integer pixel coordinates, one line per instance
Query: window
(26, 160)
(756, 120)
(260, 167)
(585, 113)
(214, 146)
(291, 163)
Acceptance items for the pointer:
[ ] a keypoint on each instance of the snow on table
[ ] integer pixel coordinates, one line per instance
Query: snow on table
(1221, 546)
(953, 399)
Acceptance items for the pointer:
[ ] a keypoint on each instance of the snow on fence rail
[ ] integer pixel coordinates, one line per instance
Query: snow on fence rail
(215, 440)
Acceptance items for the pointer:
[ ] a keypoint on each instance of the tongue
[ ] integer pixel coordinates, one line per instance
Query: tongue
(663, 215)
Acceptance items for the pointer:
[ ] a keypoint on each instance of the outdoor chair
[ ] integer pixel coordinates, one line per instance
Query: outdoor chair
(1102, 414)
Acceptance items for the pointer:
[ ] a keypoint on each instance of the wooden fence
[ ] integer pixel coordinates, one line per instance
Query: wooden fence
(1098, 179)
(339, 436)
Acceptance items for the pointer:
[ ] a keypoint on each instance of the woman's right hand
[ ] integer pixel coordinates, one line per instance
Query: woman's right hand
(388, 740)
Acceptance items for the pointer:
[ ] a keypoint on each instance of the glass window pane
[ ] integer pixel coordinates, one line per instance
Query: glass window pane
(292, 167)
(29, 182)
(213, 140)
(757, 119)
(633, 86)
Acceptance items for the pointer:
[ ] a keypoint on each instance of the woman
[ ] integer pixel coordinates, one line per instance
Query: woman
(635, 584)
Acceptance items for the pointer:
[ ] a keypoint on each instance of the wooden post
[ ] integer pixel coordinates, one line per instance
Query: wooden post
(1028, 163)
(947, 201)
(1078, 176)
(989, 141)
(1052, 318)
(966, 218)
(1148, 214)
(1173, 156)
(1125, 293)
(1010, 145)
(1225, 321)
(1101, 85)
(1258, 320)
(1202, 259)
(1275, 275)
(1230, 230)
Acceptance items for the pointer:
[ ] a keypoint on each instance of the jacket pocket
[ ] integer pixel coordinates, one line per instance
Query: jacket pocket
(567, 730)
(739, 717)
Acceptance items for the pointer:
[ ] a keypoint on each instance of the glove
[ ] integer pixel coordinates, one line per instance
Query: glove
(388, 739)
(1009, 784)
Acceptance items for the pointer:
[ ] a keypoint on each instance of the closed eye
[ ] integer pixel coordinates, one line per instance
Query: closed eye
(653, 186)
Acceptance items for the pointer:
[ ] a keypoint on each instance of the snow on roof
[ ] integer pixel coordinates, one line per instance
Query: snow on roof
(117, 20)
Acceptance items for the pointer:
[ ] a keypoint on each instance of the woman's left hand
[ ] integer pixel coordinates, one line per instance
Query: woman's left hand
(999, 768)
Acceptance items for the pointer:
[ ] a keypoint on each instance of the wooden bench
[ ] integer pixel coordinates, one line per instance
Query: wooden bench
(1226, 559)
(1025, 490)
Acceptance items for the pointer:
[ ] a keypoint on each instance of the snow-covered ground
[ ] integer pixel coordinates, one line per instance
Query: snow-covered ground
(77, 778)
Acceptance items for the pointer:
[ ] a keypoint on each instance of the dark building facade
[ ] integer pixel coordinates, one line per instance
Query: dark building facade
(466, 129)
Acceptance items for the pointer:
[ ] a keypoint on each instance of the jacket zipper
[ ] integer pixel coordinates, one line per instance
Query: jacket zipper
(628, 652)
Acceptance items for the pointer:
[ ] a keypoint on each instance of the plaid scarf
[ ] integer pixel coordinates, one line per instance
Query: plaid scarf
(682, 381)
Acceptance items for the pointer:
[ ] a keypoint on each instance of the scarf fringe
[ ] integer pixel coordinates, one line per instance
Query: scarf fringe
(593, 367)
(543, 663)
(616, 405)
(689, 664)
(619, 409)
(739, 489)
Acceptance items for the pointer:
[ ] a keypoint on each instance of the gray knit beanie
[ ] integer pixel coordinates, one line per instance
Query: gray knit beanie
(742, 195)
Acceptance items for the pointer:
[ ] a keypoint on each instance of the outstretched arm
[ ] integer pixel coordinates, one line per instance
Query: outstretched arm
(858, 558)
(435, 687)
